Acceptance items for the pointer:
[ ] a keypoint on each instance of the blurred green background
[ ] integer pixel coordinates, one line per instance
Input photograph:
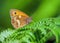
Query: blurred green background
(37, 9)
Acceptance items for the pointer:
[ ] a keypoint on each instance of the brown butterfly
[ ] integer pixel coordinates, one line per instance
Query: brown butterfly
(19, 18)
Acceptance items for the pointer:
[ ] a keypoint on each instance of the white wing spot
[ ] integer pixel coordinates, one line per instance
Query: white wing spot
(19, 16)
(18, 21)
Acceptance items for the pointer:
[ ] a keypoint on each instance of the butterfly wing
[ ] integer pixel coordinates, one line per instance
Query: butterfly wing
(28, 20)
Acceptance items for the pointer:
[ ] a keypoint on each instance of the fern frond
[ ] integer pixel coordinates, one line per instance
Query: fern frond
(5, 34)
(39, 32)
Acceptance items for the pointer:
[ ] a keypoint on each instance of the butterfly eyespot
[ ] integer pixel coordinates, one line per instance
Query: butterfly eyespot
(14, 12)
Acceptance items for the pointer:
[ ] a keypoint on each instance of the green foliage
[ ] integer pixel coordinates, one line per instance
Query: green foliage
(40, 32)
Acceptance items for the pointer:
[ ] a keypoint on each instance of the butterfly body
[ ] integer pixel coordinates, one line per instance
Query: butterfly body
(19, 18)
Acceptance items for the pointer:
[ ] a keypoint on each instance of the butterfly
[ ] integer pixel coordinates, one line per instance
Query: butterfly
(19, 18)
